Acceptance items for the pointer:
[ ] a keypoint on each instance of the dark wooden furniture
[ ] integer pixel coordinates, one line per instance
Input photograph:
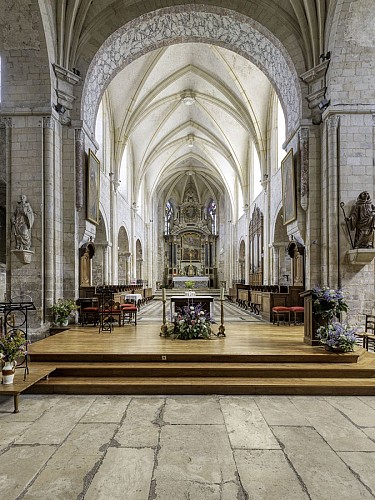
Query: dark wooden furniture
(280, 311)
(297, 310)
(311, 323)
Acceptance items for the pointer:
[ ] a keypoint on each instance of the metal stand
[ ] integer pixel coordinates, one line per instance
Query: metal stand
(221, 331)
(15, 319)
(164, 327)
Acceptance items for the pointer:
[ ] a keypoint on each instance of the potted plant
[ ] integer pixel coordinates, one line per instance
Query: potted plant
(189, 285)
(13, 344)
(62, 309)
(328, 302)
(337, 337)
(190, 322)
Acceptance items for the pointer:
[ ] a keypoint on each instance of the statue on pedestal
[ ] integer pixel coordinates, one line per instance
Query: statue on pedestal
(362, 220)
(22, 221)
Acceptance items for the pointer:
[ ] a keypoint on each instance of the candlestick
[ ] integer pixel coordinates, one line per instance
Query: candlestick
(221, 327)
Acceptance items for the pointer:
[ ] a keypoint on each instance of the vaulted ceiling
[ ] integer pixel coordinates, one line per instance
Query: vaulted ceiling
(193, 108)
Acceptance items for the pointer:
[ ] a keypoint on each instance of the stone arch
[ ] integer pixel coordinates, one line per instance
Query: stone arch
(168, 26)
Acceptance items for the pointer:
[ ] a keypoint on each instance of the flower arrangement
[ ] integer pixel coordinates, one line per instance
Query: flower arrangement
(13, 344)
(337, 336)
(328, 302)
(189, 284)
(62, 309)
(191, 322)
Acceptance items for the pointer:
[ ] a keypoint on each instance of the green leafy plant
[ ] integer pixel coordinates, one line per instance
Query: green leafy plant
(328, 302)
(337, 336)
(13, 344)
(191, 322)
(62, 309)
(189, 284)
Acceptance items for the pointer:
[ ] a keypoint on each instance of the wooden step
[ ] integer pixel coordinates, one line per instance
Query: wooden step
(320, 356)
(173, 369)
(207, 385)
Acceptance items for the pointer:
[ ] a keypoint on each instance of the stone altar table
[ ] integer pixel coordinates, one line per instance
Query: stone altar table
(199, 281)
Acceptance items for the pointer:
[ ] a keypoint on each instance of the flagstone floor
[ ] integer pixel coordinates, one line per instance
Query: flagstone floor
(188, 448)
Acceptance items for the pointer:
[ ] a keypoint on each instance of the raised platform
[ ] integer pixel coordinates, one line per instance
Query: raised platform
(252, 359)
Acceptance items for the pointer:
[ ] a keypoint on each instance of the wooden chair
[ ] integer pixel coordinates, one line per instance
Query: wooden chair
(129, 313)
(297, 310)
(282, 311)
(88, 311)
(369, 340)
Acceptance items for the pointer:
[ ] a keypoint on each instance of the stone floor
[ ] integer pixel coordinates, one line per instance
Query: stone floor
(188, 448)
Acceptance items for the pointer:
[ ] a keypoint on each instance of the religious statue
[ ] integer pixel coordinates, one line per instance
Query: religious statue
(362, 220)
(22, 221)
(87, 251)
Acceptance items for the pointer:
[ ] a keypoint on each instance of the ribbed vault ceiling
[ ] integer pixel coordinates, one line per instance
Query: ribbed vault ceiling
(190, 107)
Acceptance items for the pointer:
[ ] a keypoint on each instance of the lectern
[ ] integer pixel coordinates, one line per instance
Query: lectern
(311, 321)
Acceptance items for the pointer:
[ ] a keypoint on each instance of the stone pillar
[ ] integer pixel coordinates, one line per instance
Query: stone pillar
(105, 264)
(333, 202)
(127, 267)
(276, 264)
(49, 211)
(6, 129)
(304, 149)
(79, 164)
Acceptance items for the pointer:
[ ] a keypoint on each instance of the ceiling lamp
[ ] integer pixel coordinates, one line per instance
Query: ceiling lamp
(188, 98)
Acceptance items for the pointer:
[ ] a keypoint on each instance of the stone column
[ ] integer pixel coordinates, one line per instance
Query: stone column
(304, 148)
(333, 202)
(6, 130)
(79, 164)
(276, 264)
(127, 267)
(49, 211)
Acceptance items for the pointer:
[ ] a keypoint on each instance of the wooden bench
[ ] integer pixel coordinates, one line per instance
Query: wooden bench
(36, 373)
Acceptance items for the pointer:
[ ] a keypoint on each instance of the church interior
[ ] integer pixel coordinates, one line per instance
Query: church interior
(162, 154)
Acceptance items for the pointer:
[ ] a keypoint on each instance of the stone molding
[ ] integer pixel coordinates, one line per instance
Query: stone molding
(166, 26)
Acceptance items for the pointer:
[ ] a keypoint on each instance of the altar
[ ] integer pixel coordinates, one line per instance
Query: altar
(207, 302)
(199, 281)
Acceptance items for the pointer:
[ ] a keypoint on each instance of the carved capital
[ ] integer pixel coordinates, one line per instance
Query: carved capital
(48, 122)
(79, 135)
(333, 122)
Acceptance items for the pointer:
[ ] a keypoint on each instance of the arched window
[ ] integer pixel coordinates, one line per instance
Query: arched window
(211, 212)
(168, 217)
